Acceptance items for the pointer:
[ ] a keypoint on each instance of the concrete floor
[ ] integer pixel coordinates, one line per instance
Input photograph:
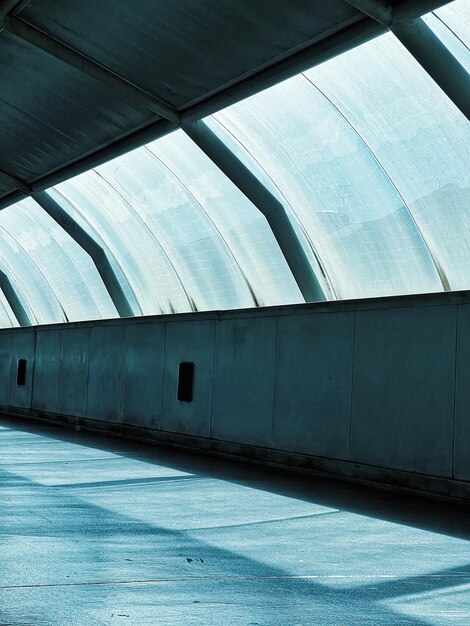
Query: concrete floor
(96, 530)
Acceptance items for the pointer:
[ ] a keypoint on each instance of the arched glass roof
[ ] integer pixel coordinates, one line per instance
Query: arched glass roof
(368, 157)
(184, 236)
(351, 145)
(55, 277)
(421, 140)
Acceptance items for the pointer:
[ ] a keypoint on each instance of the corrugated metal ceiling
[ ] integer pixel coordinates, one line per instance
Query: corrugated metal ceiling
(57, 118)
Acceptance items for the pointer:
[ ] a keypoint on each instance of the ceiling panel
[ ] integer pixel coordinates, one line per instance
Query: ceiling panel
(56, 120)
(183, 51)
(50, 113)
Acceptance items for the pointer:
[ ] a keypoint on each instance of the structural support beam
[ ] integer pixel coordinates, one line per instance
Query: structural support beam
(10, 6)
(12, 298)
(269, 206)
(380, 17)
(423, 44)
(13, 183)
(389, 14)
(319, 52)
(135, 140)
(96, 252)
(10, 198)
(84, 64)
(435, 58)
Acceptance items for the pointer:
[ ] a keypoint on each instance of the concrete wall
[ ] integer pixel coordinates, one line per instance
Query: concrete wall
(373, 388)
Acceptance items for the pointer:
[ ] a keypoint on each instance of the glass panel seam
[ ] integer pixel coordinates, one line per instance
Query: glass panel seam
(321, 265)
(139, 218)
(222, 238)
(33, 262)
(451, 30)
(437, 266)
(78, 271)
(107, 250)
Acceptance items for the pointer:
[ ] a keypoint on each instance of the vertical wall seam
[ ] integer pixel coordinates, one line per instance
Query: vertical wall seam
(273, 413)
(160, 422)
(33, 369)
(353, 357)
(88, 372)
(123, 363)
(454, 416)
(216, 326)
(10, 376)
(56, 399)
(59, 373)
(213, 322)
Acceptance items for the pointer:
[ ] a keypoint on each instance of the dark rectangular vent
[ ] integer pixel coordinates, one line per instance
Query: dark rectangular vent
(185, 382)
(21, 373)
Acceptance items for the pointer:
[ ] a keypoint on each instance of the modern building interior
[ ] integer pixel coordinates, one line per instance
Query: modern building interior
(234, 312)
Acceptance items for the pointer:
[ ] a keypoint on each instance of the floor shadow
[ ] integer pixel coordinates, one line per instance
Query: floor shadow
(441, 516)
(196, 563)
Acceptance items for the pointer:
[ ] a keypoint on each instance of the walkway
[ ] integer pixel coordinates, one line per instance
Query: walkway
(96, 531)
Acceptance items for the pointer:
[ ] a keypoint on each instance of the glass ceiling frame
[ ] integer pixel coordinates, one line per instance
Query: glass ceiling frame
(414, 34)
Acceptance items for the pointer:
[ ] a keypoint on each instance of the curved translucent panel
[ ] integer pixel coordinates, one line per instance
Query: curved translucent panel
(33, 290)
(71, 211)
(421, 139)
(7, 317)
(449, 39)
(356, 220)
(197, 252)
(148, 270)
(66, 267)
(456, 15)
(247, 159)
(238, 224)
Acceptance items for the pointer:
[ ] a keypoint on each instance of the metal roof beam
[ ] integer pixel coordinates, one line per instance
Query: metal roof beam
(80, 236)
(319, 52)
(7, 6)
(13, 300)
(265, 202)
(435, 58)
(316, 53)
(14, 183)
(128, 90)
(125, 144)
(10, 198)
(90, 246)
(423, 44)
(388, 14)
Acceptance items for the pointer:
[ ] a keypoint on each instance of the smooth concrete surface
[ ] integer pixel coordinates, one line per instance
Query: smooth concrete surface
(143, 375)
(46, 378)
(99, 531)
(374, 389)
(313, 382)
(73, 374)
(6, 365)
(105, 373)
(462, 397)
(404, 378)
(244, 380)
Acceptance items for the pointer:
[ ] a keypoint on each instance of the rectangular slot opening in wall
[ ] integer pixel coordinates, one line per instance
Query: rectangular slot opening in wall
(21, 373)
(185, 382)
